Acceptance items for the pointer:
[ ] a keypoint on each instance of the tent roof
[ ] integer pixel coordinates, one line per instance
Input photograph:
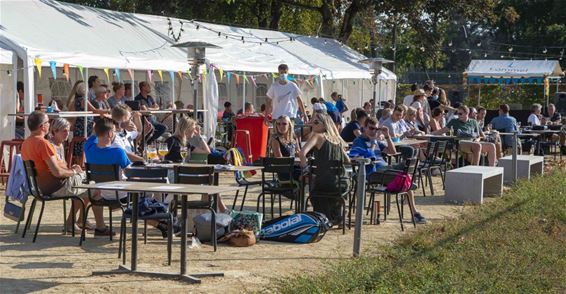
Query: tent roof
(98, 38)
(514, 68)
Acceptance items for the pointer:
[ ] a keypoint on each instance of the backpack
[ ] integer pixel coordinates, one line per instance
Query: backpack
(401, 183)
(302, 228)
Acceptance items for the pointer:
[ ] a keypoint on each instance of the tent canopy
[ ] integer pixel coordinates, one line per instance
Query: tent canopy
(98, 38)
(516, 71)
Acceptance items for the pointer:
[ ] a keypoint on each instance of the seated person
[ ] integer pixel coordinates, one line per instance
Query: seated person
(53, 177)
(469, 128)
(127, 125)
(438, 121)
(333, 112)
(376, 175)
(186, 130)
(327, 145)
(148, 103)
(397, 126)
(284, 144)
(553, 116)
(412, 120)
(353, 129)
(228, 119)
(535, 119)
(505, 123)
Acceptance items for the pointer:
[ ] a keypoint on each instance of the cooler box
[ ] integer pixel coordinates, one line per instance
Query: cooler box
(259, 133)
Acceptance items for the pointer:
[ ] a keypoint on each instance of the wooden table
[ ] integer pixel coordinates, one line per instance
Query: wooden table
(409, 142)
(141, 187)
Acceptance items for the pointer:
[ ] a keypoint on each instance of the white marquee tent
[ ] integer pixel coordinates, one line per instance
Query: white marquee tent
(96, 38)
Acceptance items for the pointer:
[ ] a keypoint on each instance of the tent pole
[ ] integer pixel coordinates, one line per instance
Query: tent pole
(321, 86)
(361, 92)
(12, 120)
(243, 94)
(29, 87)
(172, 89)
(479, 94)
(85, 109)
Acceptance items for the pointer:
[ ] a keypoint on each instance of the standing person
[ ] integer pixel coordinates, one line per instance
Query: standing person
(433, 100)
(100, 101)
(353, 129)
(128, 91)
(326, 144)
(285, 97)
(93, 83)
(228, 120)
(119, 95)
(367, 107)
(20, 124)
(340, 103)
(333, 112)
(148, 103)
(53, 177)
(409, 98)
(419, 96)
(249, 109)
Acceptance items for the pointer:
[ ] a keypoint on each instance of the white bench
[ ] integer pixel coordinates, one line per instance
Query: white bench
(527, 166)
(471, 183)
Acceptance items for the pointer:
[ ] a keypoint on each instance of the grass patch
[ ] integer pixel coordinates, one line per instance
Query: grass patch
(514, 244)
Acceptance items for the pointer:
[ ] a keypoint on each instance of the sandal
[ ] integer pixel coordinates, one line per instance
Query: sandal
(104, 232)
(89, 226)
(70, 229)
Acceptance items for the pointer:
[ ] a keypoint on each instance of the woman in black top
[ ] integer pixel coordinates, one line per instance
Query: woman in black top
(284, 144)
(185, 131)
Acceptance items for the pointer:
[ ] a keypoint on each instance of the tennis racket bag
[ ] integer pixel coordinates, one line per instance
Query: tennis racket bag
(307, 227)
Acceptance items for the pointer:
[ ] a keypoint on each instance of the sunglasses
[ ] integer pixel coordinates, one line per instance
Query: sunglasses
(282, 124)
(316, 122)
(373, 128)
(460, 113)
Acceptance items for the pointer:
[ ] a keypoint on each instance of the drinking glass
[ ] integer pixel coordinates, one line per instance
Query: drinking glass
(163, 150)
(151, 153)
(184, 153)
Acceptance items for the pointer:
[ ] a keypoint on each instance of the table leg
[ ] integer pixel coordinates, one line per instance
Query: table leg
(174, 122)
(183, 235)
(135, 208)
(143, 133)
(457, 144)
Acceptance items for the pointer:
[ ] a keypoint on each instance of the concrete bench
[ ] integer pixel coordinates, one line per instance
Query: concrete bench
(471, 183)
(527, 166)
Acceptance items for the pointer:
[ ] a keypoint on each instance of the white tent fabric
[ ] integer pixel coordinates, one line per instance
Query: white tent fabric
(210, 104)
(98, 38)
(514, 68)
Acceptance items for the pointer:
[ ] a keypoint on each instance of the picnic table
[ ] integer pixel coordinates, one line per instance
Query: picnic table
(140, 187)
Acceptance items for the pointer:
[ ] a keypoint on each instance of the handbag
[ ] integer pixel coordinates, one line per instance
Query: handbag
(401, 183)
(13, 211)
(246, 220)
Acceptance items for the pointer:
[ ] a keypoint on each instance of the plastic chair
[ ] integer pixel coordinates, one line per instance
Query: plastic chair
(79, 140)
(15, 147)
(31, 176)
(245, 146)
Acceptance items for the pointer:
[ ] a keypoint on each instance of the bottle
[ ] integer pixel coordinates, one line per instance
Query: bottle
(451, 131)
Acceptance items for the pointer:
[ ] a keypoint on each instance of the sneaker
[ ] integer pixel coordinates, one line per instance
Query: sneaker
(104, 232)
(419, 218)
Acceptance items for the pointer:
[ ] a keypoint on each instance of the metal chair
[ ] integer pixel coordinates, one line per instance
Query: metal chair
(270, 184)
(31, 176)
(198, 176)
(152, 175)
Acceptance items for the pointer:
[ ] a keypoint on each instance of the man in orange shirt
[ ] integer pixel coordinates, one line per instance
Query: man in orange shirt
(53, 177)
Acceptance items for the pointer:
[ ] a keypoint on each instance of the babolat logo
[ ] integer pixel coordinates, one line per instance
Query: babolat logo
(283, 225)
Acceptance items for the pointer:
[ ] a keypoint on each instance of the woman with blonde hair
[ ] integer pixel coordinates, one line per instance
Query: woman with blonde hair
(186, 129)
(283, 142)
(327, 146)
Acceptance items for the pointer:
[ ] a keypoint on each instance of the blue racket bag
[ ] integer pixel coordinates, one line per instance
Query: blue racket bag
(307, 227)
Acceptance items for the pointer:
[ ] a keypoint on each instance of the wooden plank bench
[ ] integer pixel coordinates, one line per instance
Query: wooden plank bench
(471, 183)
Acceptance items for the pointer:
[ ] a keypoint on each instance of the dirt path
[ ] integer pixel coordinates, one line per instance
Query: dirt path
(56, 263)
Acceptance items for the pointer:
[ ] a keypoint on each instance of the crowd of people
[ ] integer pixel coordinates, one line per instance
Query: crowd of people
(324, 136)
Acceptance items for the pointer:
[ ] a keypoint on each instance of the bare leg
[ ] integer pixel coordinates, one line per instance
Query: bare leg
(411, 200)
(490, 149)
(99, 217)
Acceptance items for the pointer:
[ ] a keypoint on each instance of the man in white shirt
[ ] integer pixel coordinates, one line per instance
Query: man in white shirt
(409, 98)
(534, 118)
(285, 97)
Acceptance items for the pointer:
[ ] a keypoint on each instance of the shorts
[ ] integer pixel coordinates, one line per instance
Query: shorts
(69, 183)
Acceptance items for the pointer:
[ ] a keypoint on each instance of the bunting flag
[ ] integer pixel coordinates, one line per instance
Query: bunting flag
(189, 74)
(160, 74)
(53, 66)
(253, 81)
(203, 75)
(246, 79)
(117, 71)
(106, 71)
(150, 76)
(228, 76)
(180, 73)
(171, 75)
(37, 62)
(290, 78)
(237, 79)
(221, 71)
(81, 68)
(131, 74)
(66, 71)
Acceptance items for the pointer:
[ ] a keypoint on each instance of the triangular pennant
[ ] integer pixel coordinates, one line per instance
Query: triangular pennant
(246, 79)
(275, 75)
(106, 71)
(189, 74)
(37, 62)
(221, 71)
(160, 74)
(66, 71)
(117, 71)
(316, 80)
(290, 78)
(131, 72)
(180, 73)
(228, 76)
(81, 68)
(53, 66)
(150, 76)
(253, 81)
(171, 75)
(237, 79)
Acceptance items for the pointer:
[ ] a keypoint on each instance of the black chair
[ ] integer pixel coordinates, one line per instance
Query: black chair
(272, 185)
(424, 167)
(203, 175)
(379, 183)
(100, 173)
(152, 175)
(336, 169)
(31, 177)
